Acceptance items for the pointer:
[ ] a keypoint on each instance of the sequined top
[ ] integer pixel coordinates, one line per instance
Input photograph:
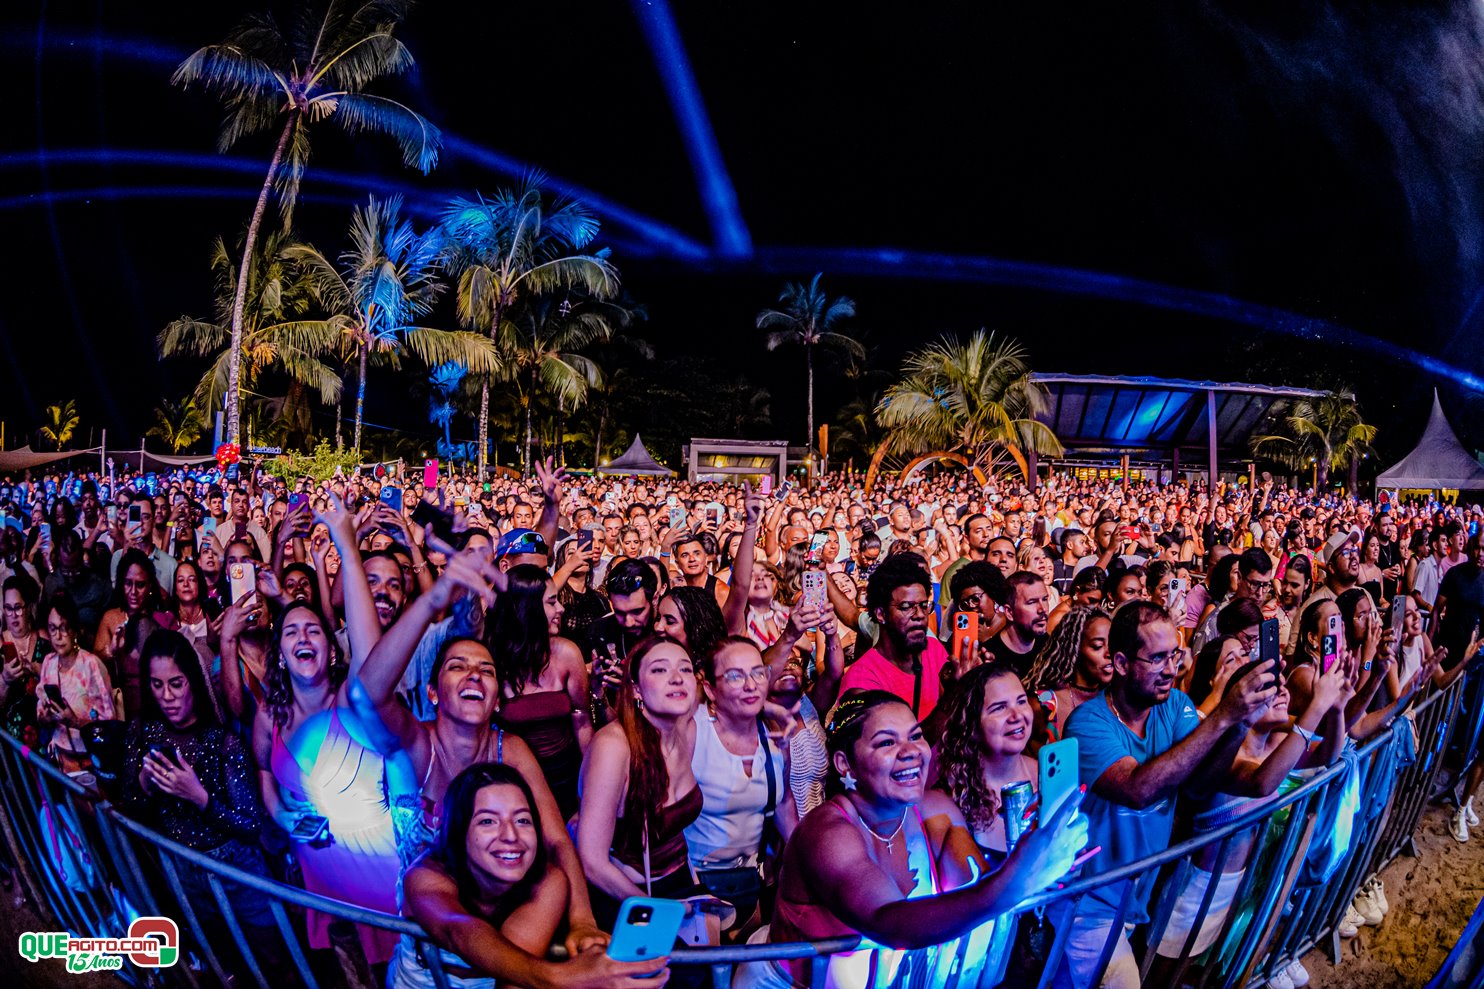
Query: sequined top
(221, 762)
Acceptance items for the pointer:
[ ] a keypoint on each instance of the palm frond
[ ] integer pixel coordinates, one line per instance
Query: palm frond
(414, 133)
(472, 352)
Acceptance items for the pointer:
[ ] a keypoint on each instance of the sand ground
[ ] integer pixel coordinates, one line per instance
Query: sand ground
(1432, 898)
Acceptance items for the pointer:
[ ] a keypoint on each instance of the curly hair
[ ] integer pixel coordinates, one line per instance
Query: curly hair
(280, 686)
(961, 773)
(1056, 660)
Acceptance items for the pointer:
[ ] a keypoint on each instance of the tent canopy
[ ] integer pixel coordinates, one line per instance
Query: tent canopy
(25, 458)
(1438, 461)
(635, 460)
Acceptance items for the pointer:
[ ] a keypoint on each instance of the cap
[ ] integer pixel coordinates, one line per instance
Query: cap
(520, 541)
(1338, 541)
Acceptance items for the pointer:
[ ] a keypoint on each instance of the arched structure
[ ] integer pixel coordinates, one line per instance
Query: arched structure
(941, 455)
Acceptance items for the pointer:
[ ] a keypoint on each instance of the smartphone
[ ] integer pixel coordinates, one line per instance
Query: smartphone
(297, 501)
(311, 828)
(816, 548)
(392, 498)
(716, 514)
(1058, 774)
(677, 519)
(54, 694)
(113, 514)
(234, 472)
(242, 578)
(1398, 623)
(1268, 647)
(646, 928)
(781, 492)
(1336, 627)
(1176, 586)
(442, 523)
(765, 486)
(812, 582)
(46, 532)
(430, 474)
(965, 626)
(135, 514)
(1329, 651)
(882, 524)
(584, 540)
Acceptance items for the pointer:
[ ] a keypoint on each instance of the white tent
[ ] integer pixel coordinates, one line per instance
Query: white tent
(1439, 461)
(636, 460)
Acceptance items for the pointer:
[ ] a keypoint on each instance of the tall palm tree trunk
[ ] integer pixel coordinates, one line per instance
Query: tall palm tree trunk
(339, 416)
(598, 440)
(484, 395)
(361, 394)
(239, 298)
(809, 439)
(525, 465)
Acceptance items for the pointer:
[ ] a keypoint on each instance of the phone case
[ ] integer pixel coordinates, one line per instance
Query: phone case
(1058, 774)
(240, 579)
(638, 935)
(812, 582)
(965, 626)
(430, 474)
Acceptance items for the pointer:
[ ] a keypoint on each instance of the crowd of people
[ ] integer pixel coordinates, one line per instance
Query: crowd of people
(499, 709)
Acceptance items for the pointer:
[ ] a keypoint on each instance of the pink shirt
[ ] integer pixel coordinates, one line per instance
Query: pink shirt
(873, 671)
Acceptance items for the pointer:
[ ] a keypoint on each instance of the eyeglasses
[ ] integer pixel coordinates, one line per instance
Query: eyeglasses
(1160, 660)
(736, 678)
(910, 607)
(970, 602)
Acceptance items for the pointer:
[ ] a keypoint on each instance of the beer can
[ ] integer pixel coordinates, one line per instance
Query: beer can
(1014, 799)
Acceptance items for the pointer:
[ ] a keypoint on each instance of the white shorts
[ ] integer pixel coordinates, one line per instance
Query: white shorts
(1188, 904)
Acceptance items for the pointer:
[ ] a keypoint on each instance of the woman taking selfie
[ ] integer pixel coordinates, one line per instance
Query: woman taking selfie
(889, 860)
(492, 900)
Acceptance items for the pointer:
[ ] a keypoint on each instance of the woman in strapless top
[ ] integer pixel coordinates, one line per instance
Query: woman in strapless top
(542, 679)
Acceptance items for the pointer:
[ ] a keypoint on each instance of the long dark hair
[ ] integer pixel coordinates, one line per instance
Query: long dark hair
(451, 846)
(649, 780)
(280, 686)
(515, 631)
(164, 643)
(701, 615)
(960, 770)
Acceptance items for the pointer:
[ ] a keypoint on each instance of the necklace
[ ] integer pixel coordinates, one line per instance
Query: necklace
(1114, 708)
(889, 840)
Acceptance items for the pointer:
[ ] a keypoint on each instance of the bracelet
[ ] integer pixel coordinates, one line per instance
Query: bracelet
(420, 568)
(1306, 735)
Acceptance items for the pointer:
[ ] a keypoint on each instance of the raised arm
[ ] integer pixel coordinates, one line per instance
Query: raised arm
(551, 478)
(1138, 785)
(739, 585)
(360, 612)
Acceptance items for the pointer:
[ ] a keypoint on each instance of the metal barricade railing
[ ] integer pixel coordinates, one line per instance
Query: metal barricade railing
(248, 930)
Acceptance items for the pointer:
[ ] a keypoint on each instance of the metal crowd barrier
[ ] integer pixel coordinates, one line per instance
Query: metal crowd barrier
(1272, 920)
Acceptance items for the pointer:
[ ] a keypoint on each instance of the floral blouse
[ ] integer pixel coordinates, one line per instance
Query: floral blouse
(86, 690)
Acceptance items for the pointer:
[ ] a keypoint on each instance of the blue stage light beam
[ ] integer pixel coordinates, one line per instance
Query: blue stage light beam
(1075, 281)
(718, 195)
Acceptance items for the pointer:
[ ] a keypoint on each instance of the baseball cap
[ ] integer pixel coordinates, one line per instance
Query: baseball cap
(520, 541)
(1337, 542)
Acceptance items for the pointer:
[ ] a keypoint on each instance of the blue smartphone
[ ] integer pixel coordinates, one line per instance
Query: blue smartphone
(1058, 774)
(392, 498)
(646, 928)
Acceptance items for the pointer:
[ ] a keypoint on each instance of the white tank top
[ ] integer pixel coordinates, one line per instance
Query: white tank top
(730, 828)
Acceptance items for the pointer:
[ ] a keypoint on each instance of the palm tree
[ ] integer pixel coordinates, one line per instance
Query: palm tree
(810, 319)
(539, 351)
(511, 245)
(277, 333)
(269, 78)
(387, 279)
(1326, 432)
(60, 423)
(976, 399)
(178, 424)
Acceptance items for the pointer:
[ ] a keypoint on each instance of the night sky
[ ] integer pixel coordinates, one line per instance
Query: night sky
(1325, 161)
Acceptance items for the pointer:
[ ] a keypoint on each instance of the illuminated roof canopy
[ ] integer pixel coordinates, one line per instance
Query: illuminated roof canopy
(1093, 413)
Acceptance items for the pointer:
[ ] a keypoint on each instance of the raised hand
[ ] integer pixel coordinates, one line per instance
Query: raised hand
(1045, 853)
(1247, 699)
(551, 479)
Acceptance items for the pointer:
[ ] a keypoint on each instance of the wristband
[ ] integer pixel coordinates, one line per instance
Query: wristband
(1306, 735)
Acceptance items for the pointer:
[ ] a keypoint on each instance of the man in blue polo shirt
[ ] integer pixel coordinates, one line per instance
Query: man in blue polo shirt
(1140, 742)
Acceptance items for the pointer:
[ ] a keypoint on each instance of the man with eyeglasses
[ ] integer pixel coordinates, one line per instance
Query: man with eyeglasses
(906, 660)
(1254, 582)
(1140, 743)
(1342, 570)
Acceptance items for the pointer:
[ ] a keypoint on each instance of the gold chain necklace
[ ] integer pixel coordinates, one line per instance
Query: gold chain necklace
(890, 840)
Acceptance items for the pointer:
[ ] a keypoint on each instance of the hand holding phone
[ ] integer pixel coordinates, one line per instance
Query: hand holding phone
(646, 929)
(965, 629)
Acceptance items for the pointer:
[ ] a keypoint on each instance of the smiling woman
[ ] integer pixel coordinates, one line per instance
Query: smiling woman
(896, 863)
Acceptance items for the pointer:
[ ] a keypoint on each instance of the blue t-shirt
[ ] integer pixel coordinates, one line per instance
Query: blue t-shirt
(1126, 834)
